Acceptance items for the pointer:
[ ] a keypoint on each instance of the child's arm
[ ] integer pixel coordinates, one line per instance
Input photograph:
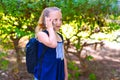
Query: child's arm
(65, 69)
(50, 40)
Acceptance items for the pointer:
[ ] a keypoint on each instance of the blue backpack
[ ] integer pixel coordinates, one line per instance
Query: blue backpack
(31, 51)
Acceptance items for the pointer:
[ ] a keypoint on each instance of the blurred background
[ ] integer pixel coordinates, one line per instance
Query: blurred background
(91, 31)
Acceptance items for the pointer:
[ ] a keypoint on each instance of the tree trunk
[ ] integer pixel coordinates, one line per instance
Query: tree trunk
(18, 52)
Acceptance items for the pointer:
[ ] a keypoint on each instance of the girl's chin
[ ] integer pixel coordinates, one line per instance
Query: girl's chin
(57, 29)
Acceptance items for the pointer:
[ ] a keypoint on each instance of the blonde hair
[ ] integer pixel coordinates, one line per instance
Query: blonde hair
(41, 21)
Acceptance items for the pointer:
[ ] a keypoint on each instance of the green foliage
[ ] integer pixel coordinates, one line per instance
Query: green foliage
(2, 55)
(92, 76)
(3, 63)
(114, 26)
(74, 71)
(72, 66)
(20, 17)
(89, 57)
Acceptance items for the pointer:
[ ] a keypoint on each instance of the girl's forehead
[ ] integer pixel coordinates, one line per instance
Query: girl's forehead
(55, 13)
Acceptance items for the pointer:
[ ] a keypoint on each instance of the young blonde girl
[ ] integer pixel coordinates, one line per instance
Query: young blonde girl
(54, 66)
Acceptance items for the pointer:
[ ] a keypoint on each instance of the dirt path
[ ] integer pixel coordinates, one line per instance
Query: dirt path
(107, 60)
(106, 65)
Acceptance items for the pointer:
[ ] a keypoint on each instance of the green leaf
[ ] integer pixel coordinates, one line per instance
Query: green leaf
(89, 57)
(92, 76)
(4, 64)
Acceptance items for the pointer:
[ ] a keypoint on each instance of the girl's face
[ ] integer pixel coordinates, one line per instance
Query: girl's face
(56, 16)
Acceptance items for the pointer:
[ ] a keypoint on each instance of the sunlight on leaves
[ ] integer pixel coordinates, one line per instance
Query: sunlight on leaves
(68, 30)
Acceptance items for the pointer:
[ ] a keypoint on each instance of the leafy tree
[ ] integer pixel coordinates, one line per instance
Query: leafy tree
(18, 18)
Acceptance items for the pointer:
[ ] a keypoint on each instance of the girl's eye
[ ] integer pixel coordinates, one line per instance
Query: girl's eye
(55, 19)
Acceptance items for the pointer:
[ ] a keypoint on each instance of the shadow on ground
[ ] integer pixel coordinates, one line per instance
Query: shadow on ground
(106, 65)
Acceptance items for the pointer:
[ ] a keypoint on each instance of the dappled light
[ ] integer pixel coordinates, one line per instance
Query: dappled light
(68, 30)
(91, 31)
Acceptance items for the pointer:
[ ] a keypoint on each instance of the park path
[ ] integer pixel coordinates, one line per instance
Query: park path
(107, 60)
(107, 63)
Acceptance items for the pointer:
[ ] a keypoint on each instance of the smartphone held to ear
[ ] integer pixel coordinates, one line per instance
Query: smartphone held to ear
(46, 19)
(53, 23)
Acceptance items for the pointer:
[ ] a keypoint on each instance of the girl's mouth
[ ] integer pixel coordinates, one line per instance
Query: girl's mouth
(58, 26)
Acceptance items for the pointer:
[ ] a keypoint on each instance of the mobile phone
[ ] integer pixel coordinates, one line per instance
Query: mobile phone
(44, 21)
(53, 23)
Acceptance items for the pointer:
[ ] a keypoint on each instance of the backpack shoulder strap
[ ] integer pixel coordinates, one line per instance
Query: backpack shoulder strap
(44, 50)
(61, 36)
(46, 32)
(58, 33)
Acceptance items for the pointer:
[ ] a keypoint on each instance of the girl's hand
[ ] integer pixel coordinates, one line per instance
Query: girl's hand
(50, 40)
(65, 69)
(48, 22)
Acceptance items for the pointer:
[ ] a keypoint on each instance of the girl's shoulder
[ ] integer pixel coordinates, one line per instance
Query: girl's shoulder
(42, 33)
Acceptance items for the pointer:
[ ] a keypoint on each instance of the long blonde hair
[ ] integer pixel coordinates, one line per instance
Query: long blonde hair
(41, 21)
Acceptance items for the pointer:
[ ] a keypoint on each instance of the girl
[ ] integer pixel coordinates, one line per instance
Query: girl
(54, 65)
